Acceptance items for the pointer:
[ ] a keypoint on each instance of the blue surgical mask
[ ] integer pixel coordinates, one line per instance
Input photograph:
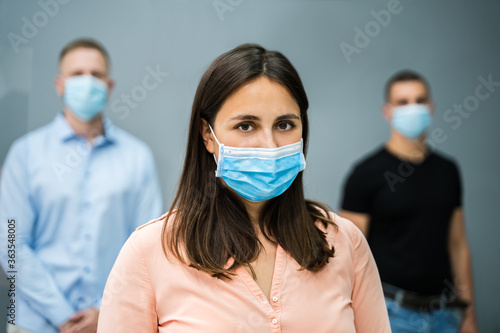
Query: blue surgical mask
(259, 174)
(85, 95)
(411, 120)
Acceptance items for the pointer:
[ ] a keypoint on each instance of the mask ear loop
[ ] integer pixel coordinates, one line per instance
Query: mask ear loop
(218, 144)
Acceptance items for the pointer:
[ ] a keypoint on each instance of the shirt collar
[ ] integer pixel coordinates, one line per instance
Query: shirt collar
(64, 132)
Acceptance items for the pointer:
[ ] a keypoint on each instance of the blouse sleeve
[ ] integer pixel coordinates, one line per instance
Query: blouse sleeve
(128, 303)
(368, 303)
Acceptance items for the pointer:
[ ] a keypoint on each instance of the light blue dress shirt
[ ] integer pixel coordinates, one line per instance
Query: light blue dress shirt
(74, 205)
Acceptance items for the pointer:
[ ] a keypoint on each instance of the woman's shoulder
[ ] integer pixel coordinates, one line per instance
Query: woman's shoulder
(148, 235)
(339, 223)
(152, 225)
(341, 229)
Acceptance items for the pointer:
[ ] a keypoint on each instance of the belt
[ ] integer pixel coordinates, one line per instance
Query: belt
(417, 301)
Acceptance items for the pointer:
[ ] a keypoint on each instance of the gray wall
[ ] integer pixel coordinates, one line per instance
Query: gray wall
(452, 43)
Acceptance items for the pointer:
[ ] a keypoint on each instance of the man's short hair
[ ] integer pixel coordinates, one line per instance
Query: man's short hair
(86, 43)
(404, 76)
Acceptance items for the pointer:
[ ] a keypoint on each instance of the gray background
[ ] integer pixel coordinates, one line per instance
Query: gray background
(451, 43)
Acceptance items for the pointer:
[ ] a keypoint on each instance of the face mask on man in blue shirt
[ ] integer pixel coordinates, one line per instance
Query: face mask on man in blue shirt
(85, 95)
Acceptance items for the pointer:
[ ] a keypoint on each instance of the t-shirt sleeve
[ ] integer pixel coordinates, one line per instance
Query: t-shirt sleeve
(368, 303)
(356, 194)
(458, 186)
(128, 303)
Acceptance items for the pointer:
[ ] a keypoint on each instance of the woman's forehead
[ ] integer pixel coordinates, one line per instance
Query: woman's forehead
(262, 99)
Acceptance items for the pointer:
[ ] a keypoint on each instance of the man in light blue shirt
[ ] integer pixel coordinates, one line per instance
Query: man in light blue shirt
(71, 192)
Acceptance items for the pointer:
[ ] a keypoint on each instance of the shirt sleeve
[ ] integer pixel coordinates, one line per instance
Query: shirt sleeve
(458, 185)
(35, 284)
(149, 200)
(356, 195)
(128, 304)
(368, 303)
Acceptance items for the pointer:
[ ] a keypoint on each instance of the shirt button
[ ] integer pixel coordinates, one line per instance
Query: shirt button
(275, 299)
(86, 270)
(88, 237)
(86, 204)
(274, 321)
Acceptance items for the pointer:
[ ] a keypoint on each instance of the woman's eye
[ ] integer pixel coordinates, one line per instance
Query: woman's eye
(285, 126)
(245, 127)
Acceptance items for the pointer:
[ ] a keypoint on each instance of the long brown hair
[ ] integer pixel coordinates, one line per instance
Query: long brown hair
(210, 224)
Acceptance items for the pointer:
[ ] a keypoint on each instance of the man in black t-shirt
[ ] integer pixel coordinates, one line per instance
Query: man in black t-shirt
(406, 199)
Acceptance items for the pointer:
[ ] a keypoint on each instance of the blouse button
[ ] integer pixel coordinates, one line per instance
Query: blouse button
(275, 299)
(274, 321)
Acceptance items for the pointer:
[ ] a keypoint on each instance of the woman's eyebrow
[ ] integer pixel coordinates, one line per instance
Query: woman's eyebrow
(251, 117)
(245, 117)
(288, 116)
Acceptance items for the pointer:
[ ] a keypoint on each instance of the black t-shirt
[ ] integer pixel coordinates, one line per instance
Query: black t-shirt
(410, 207)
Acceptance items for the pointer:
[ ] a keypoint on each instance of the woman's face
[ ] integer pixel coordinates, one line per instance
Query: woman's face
(261, 114)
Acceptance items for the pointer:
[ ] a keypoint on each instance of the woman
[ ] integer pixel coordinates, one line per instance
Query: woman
(242, 250)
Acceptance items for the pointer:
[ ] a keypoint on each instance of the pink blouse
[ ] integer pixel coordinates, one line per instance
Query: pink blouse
(146, 292)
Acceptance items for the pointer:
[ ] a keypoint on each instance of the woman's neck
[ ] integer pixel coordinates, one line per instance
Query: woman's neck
(253, 210)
